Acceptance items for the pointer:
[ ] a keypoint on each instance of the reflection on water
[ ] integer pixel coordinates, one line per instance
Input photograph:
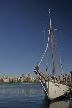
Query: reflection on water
(21, 95)
(60, 104)
(64, 103)
(26, 96)
(23, 89)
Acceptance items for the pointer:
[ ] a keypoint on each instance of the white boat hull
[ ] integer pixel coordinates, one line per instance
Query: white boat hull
(55, 90)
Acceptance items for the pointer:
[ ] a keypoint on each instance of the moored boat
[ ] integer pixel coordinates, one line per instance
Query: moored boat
(53, 86)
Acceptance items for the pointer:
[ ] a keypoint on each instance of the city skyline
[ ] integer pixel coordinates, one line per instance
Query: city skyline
(22, 42)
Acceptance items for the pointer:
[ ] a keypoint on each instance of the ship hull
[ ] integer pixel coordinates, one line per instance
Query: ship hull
(55, 90)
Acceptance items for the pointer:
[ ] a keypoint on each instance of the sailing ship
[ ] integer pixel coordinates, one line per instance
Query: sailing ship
(54, 87)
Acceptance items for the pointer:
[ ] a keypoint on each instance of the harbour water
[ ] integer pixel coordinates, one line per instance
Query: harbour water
(26, 96)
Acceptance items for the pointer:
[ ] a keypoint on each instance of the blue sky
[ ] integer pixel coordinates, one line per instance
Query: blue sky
(22, 40)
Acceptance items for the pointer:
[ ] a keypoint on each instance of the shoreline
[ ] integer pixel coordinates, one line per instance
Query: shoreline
(19, 83)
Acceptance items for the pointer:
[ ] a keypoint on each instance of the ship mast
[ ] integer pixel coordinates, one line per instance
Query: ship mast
(52, 43)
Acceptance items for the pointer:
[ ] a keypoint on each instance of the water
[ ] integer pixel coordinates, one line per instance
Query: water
(26, 96)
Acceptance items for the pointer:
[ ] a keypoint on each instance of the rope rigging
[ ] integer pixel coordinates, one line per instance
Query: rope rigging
(36, 69)
(43, 55)
(61, 66)
(51, 38)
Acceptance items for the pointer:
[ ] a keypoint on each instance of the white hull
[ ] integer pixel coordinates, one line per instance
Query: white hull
(55, 90)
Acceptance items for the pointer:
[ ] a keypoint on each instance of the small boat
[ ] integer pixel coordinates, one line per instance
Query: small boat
(53, 86)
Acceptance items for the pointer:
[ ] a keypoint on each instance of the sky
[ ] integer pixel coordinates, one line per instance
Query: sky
(22, 42)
